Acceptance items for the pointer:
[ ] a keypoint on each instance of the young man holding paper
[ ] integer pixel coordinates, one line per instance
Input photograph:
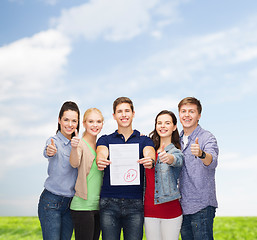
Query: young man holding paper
(122, 156)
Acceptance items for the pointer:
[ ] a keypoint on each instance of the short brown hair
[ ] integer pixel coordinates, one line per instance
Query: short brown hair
(122, 100)
(190, 100)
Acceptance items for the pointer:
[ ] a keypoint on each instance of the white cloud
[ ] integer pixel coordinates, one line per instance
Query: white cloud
(147, 110)
(117, 20)
(32, 64)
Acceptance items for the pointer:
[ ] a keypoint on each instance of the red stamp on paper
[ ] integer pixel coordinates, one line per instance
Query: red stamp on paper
(130, 175)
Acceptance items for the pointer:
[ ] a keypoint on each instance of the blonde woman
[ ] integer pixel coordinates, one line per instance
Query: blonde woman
(85, 204)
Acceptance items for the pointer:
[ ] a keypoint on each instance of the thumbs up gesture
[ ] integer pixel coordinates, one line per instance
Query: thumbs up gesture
(195, 148)
(75, 140)
(163, 156)
(51, 149)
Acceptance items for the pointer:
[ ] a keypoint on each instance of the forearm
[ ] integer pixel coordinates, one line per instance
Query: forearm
(149, 152)
(102, 153)
(74, 158)
(207, 160)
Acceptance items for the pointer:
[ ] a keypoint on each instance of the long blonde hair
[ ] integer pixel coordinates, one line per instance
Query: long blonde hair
(87, 112)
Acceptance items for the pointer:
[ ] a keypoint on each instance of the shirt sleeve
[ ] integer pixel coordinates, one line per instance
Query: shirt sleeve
(209, 145)
(148, 141)
(178, 157)
(103, 140)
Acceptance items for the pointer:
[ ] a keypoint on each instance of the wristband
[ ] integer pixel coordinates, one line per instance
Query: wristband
(203, 155)
(153, 163)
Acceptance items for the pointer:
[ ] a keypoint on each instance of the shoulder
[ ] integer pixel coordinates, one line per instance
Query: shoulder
(146, 141)
(105, 139)
(55, 138)
(206, 137)
(172, 149)
(205, 133)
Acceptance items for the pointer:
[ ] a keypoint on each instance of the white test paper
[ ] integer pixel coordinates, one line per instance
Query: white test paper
(124, 169)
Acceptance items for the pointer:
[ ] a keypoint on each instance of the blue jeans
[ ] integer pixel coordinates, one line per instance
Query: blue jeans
(121, 213)
(198, 226)
(54, 215)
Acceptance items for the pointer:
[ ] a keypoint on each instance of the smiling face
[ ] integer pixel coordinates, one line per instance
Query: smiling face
(124, 115)
(164, 126)
(189, 117)
(93, 123)
(68, 123)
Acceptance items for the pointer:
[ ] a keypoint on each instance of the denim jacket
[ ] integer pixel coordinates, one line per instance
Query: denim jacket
(166, 177)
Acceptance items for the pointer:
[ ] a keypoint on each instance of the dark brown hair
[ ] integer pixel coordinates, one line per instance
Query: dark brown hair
(65, 107)
(190, 100)
(122, 100)
(175, 135)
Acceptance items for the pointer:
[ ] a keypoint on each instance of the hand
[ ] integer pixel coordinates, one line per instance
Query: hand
(195, 148)
(165, 157)
(147, 162)
(75, 140)
(51, 149)
(102, 163)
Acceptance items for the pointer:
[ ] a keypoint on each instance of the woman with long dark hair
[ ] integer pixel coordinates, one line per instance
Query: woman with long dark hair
(54, 203)
(162, 210)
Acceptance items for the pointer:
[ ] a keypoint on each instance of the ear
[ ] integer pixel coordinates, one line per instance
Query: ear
(199, 116)
(59, 120)
(114, 116)
(174, 128)
(133, 114)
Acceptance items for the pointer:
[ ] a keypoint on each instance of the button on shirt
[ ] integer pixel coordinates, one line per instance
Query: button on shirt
(128, 191)
(197, 181)
(62, 176)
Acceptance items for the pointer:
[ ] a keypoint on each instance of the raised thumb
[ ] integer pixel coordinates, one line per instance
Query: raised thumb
(52, 142)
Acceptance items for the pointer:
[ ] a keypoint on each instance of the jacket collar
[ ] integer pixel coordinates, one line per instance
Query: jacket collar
(62, 138)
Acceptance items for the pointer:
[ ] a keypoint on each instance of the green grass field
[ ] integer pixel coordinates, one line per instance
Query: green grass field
(227, 228)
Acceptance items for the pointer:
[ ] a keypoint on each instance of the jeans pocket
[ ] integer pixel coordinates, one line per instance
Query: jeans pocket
(104, 202)
(49, 200)
(51, 205)
(137, 204)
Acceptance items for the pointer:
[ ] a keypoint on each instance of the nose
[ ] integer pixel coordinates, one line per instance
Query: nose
(70, 123)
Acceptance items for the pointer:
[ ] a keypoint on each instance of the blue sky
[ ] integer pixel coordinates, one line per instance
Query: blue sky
(154, 51)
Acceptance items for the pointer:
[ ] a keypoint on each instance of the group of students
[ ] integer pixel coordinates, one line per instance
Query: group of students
(176, 190)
